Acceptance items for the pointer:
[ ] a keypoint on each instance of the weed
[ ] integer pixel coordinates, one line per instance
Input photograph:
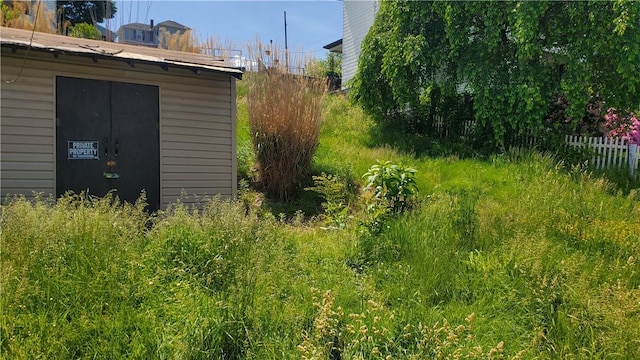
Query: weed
(394, 184)
(324, 340)
(338, 195)
(378, 333)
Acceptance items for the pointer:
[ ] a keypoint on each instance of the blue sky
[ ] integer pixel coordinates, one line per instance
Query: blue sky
(311, 24)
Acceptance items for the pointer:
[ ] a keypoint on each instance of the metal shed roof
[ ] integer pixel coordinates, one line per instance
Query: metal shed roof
(131, 54)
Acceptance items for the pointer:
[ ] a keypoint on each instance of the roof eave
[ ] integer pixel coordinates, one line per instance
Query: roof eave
(163, 63)
(332, 47)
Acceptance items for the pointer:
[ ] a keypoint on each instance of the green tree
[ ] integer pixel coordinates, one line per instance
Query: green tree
(331, 66)
(84, 30)
(511, 57)
(91, 12)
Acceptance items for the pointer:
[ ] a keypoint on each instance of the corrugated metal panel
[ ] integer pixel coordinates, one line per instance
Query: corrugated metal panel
(197, 131)
(357, 17)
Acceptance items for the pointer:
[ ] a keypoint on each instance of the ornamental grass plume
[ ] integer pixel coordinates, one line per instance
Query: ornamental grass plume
(16, 15)
(180, 41)
(284, 119)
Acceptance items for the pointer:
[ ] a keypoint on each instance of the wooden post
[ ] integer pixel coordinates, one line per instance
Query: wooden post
(632, 155)
(286, 45)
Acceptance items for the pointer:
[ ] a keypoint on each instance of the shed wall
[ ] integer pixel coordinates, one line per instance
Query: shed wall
(197, 124)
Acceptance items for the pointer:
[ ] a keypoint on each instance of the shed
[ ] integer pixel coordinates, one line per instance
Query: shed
(78, 114)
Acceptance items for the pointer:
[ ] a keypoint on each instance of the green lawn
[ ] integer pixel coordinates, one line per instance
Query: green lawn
(509, 256)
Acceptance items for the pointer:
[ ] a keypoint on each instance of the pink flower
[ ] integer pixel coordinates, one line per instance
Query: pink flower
(626, 127)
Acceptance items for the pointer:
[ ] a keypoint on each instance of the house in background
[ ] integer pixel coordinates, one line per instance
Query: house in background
(137, 34)
(107, 35)
(149, 34)
(171, 27)
(334, 78)
(357, 19)
(334, 47)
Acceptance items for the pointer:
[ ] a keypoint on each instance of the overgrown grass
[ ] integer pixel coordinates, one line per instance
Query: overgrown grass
(511, 256)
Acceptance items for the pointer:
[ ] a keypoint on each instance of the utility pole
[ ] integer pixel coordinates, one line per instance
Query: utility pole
(108, 18)
(286, 48)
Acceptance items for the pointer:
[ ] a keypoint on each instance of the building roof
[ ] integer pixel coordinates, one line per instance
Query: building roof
(131, 54)
(335, 47)
(171, 23)
(136, 25)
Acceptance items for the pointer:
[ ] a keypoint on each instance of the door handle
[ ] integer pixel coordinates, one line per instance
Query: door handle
(117, 144)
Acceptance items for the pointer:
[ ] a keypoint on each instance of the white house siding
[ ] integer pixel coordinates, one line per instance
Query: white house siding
(197, 124)
(357, 18)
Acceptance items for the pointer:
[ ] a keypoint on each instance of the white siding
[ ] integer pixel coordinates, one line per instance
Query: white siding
(197, 124)
(357, 18)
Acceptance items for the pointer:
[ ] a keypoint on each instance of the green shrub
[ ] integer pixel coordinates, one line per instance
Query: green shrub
(86, 31)
(394, 184)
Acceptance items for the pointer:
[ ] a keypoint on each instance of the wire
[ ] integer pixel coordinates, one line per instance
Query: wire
(146, 16)
(24, 59)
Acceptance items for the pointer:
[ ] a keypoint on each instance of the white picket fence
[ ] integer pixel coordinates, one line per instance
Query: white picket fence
(609, 152)
(442, 130)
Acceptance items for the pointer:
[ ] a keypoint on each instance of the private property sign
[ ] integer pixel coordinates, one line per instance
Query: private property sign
(82, 150)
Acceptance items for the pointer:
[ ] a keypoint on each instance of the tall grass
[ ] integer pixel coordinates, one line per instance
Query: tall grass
(285, 116)
(90, 278)
(40, 19)
(69, 270)
(189, 41)
(185, 41)
(512, 257)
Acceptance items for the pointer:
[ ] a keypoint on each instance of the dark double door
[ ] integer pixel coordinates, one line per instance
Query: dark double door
(108, 139)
